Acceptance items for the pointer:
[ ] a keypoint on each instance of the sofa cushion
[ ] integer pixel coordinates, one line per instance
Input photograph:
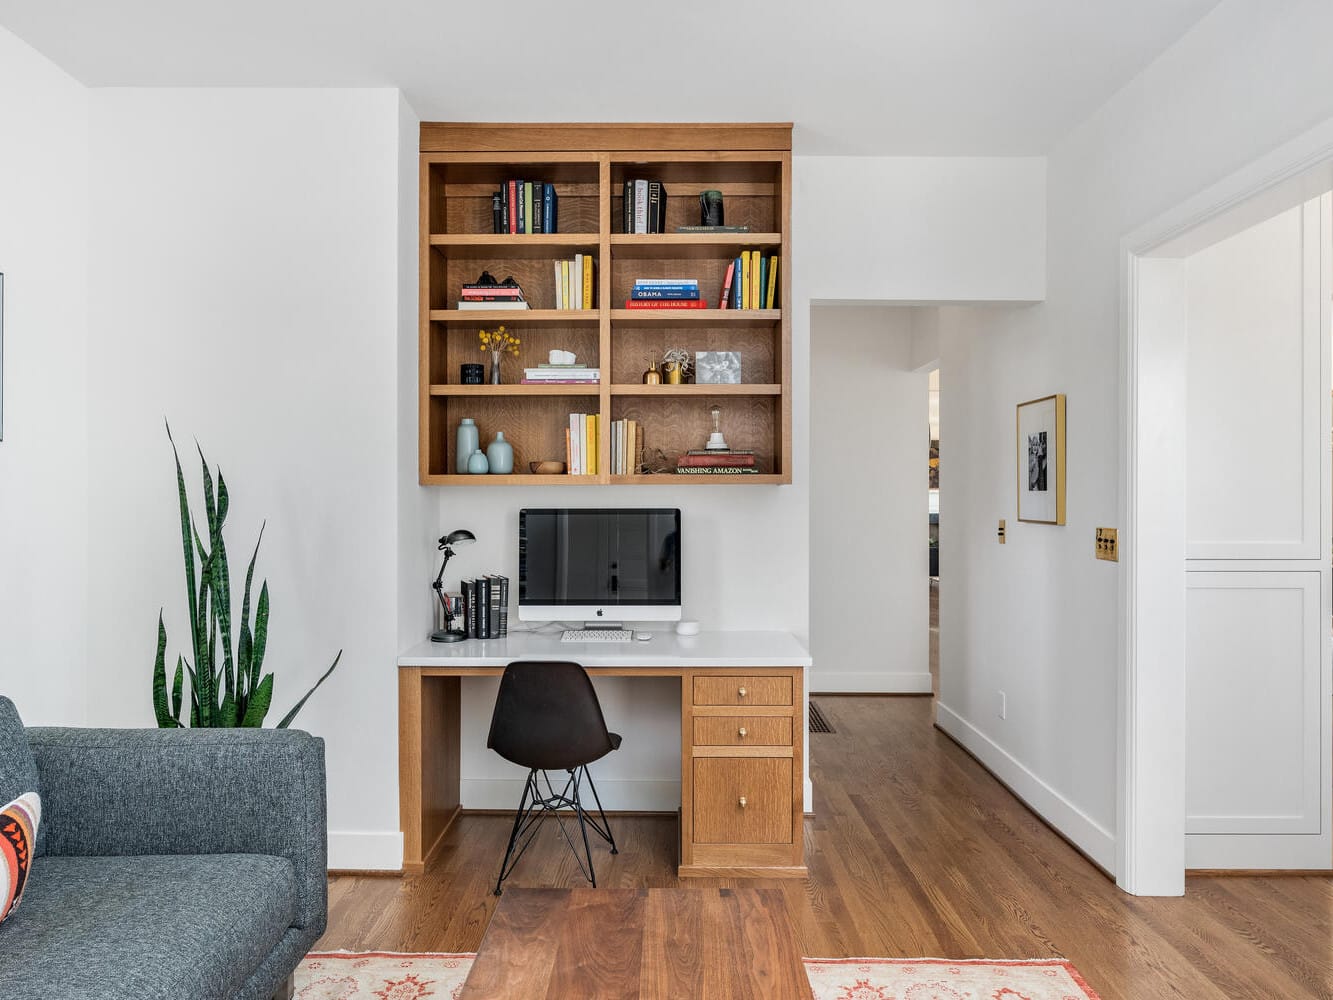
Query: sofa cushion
(18, 827)
(18, 767)
(145, 928)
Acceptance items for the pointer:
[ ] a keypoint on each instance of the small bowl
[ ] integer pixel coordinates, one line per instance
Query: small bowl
(547, 468)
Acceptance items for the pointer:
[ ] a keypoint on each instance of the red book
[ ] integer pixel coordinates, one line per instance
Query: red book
(493, 292)
(703, 461)
(725, 301)
(665, 304)
(513, 206)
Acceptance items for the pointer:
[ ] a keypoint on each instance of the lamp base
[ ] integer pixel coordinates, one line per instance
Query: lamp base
(447, 636)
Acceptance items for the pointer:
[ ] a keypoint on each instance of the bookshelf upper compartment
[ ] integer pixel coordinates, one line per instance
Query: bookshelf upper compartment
(461, 192)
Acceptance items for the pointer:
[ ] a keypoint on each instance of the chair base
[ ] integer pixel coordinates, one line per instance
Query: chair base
(533, 807)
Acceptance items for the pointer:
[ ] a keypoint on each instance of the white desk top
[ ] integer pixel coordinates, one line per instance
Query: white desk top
(665, 649)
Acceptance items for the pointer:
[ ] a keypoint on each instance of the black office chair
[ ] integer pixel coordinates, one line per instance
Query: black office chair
(547, 718)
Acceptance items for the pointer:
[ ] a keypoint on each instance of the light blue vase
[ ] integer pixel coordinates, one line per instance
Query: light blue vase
(477, 464)
(500, 455)
(468, 442)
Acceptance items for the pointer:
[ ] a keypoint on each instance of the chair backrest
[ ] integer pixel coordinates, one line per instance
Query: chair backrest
(547, 716)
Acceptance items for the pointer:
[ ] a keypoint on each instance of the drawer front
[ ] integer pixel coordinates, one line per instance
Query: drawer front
(742, 800)
(724, 690)
(742, 730)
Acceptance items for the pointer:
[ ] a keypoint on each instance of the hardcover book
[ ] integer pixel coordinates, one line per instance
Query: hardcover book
(665, 304)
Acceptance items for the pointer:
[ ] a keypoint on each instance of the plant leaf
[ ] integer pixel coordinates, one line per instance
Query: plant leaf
(186, 531)
(261, 634)
(259, 702)
(286, 719)
(160, 707)
(176, 691)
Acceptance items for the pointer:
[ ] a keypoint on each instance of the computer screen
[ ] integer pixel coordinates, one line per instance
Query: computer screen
(591, 562)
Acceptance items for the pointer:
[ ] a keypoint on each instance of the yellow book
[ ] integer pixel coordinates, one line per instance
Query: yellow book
(594, 441)
(772, 280)
(564, 284)
(587, 282)
(756, 272)
(745, 279)
(633, 447)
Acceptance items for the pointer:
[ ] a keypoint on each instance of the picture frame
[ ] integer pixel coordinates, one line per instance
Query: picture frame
(1040, 460)
(717, 367)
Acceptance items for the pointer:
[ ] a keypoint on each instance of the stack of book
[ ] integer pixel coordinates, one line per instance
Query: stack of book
(665, 293)
(574, 282)
(717, 463)
(751, 282)
(581, 444)
(626, 443)
(491, 296)
(524, 207)
(561, 375)
(645, 207)
(486, 607)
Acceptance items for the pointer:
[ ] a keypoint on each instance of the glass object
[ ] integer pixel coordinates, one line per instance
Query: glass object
(716, 442)
(467, 442)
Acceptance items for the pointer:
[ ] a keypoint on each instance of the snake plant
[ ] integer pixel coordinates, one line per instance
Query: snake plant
(225, 689)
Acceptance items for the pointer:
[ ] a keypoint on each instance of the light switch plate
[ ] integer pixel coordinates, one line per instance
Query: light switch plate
(1108, 544)
(1000, 533)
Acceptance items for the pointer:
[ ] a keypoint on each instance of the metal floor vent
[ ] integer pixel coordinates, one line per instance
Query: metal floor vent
(818, 722)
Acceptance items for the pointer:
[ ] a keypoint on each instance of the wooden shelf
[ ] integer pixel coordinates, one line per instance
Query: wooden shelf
(693, 317)
(549, 317)
(681, 246)
(741, 389)
(516, 479)
(676, 479)
(513, 245)
(518, 389)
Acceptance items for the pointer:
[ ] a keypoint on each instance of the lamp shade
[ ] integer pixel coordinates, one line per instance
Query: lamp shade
(459, 537)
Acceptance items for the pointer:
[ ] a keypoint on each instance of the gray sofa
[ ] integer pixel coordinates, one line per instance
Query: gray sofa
(173, 864)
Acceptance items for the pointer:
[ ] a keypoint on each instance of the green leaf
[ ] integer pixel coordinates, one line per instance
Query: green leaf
(176, 691)
(160, 707)
(186, 531)
(247, 672)
(259, 702)
(261, 632)
(220, 581)
(286, 719)
(195, 717)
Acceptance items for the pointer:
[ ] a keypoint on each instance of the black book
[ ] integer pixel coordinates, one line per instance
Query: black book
(520, 217)
(629, 207)
(470, 608)
(494, 582)
(504, 206)
(504, 605)
(656, 207)
(497, 213)
(538, 196)
(483, 607)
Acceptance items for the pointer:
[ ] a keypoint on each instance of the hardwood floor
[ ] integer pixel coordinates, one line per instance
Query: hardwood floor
(914, 850)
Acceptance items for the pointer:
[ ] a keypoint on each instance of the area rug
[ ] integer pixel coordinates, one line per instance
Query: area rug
(389, 976)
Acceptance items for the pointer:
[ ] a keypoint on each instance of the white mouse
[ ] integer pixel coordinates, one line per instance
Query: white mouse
(643, 636)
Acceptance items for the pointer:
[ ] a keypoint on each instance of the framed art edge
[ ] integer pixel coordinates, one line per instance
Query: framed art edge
(1060, 453)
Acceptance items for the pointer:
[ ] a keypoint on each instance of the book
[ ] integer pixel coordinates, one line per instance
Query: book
(497, 213)
(763, 283)
(737, 280)
(538, 206)
(714, 470)
(634, 431)
(504, 605)
(483, 591)
(661, 292)
(576, 282)
(712, 229)
(724, 299)
(492, 292)
(470, 608)
(559, 291)
(627, 213)
(549, 201)
(569, 453)
(641, 206)
(500, 304)
(576, 444)
(667, 282)
(719, 451)
(745, 279)
(756, 276)
(523, 203)
(560, 381)
(512, 204)
(656, 206)
(711, 461)
(665, 304)
(494, 609)
(563, 373)
(587, 282)
(564, 285)
(527, 207)
(771, 299)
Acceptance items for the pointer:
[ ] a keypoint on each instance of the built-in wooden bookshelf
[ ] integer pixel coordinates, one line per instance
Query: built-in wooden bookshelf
(463, 163)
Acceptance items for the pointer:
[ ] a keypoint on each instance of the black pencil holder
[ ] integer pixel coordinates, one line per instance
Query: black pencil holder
(472, 374)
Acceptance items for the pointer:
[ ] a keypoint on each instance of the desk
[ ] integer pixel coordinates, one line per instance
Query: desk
(742, 738)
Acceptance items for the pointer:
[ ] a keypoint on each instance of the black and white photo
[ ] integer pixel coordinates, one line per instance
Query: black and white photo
(1040, 460)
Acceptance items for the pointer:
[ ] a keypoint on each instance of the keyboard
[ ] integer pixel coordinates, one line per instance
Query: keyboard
(597, 635)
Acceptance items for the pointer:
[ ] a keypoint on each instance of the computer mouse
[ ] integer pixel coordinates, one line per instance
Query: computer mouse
(643, 636)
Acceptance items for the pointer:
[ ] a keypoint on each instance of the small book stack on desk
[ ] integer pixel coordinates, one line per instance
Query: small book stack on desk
(486, 607)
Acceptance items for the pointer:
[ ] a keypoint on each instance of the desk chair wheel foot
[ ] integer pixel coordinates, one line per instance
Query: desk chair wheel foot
(615, 850)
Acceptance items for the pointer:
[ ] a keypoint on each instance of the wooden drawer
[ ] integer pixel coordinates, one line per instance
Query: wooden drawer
(727, 690)
(742, 730)
(722, 784)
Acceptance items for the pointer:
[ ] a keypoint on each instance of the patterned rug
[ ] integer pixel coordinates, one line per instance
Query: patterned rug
(389, 976)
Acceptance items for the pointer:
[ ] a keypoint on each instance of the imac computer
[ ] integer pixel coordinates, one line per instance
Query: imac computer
(601, 566)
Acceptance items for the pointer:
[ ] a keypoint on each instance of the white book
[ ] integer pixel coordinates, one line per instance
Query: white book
(641, 206)
(559, 290)
(649, 282)
(576, 279)
(469, 304)
(620, 447)
(575, 444)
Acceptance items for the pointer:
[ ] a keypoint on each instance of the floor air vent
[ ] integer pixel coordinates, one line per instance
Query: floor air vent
(818, 723)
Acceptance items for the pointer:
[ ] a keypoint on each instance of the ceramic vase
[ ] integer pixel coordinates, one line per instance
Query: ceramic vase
(477, 464)
(468, 441)
(500, 455)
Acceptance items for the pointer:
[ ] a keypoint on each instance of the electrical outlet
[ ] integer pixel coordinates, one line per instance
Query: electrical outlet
(1000, 533)
(1108, 544)
(1003, 706)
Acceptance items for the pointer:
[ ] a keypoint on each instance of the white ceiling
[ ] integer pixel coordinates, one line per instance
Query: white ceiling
(999, 77)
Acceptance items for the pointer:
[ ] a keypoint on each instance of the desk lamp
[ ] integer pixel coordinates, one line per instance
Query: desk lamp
(447, 543)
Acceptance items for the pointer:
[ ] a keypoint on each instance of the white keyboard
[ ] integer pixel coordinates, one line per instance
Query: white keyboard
(597, 635)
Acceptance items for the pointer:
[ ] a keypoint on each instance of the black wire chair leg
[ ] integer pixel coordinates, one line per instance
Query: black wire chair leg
(583, 828)
(514, 833)
(604, 831)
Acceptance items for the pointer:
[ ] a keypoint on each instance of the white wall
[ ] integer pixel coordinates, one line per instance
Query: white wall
(1039, 617)
(245, 284)
(869, 530)
(44, 493)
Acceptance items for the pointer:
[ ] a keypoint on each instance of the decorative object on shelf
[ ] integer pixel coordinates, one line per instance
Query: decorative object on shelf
(547, 468)
(717, 367)
(710, 209)
(716, 442)
(562, 358)
(478, 464)
(678, 364)
(499, 342)
(500, 455)
(1040, 460)
(652, 376)
(467, 441)
(226, 690)
(471, 374)
(449, 602)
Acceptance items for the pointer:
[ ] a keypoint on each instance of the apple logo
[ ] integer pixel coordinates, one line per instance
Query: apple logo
(599, 612)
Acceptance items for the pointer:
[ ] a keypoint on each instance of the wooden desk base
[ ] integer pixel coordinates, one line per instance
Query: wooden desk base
(659, 944)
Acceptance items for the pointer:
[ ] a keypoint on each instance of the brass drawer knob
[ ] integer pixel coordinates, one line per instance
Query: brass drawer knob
(742, 801)
(742, 692)
(742, 732)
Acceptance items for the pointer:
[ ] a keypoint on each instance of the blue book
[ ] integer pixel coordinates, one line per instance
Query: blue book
(737, 284)
(548, 209)
(664, 293)
(763, 281)
(665, 288)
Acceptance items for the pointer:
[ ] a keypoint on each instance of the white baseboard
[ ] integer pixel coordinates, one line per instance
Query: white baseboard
(1258, 851)
(617, 794)
(1091, 837)
(869, 682)
(366, 850)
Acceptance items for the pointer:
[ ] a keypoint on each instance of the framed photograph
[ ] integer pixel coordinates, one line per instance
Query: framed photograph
(717, 367)
(1041, 460)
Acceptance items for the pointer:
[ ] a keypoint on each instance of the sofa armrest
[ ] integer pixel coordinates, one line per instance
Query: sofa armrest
(189, 791)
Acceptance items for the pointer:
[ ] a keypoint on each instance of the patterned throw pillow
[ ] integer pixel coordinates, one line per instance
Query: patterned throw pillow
(18, 835)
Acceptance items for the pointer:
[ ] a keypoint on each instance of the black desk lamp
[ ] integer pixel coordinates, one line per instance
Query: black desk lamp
(447, 543)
